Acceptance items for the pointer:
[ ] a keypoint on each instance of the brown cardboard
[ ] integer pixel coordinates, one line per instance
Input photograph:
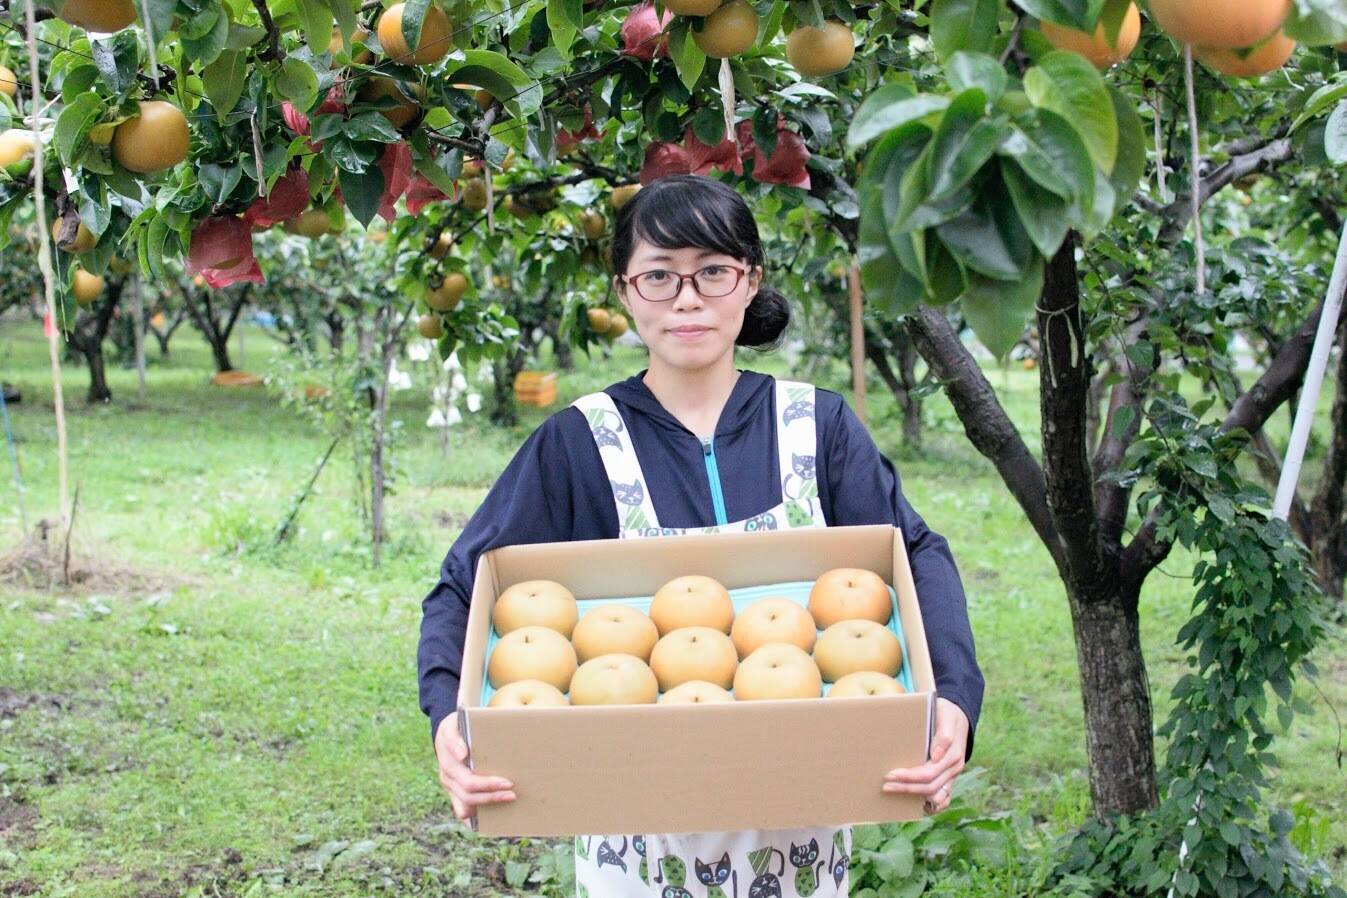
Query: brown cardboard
(700, 768)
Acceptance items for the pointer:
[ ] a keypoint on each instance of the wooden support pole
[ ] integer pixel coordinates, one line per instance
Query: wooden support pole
(857, 342)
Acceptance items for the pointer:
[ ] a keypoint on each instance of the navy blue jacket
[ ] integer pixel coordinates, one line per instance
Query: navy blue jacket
(555, 489)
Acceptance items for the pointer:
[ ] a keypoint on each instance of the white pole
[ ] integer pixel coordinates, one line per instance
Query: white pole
(1314, 382)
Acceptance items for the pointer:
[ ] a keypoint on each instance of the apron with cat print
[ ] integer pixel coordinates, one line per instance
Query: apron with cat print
(812, 862)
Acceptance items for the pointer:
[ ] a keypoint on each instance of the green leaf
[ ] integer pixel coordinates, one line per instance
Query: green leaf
(218, 181)
(1070, 86)
(118, 59)
(298, 82)
(1080, 14)
(428, 164)
(344, 12)
(708, 126)
(892, 106)
(988, 237)
(72, 126)
(1105, 205)
(1323, 98)
(205, 35)
(505, 80)
(964, 142)
(688, 58)
(963, 25)
(224, 81)
(1131, 165)
(998, 311)
(885, 167)
(948, 279)
(161, 15)
(1042, 212)
(885, 281)
(564, 19)
(1335, 135)
(365, 126)
(1317, 23)
(316, 22)
(895, 860)
(243, 37)
(967, 70)
(1053, 154)
(363, 192)
(1112, 17)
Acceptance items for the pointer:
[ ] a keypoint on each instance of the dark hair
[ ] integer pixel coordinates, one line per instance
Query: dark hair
(690, 210)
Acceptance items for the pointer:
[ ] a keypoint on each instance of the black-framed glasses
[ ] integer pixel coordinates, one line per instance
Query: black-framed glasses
(662, 285)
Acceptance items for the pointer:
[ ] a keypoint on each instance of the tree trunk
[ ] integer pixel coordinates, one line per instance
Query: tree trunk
(216, 331)
(138, 322)
(376, 463)
(162, 337)
(562, 354)
(1117, 700)
(900, 383)
(98, 378)
(87, 338)
(911, 405)
(220, 352)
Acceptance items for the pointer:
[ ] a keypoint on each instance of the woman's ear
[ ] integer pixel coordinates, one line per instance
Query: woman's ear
(620, 288)
(754, 283)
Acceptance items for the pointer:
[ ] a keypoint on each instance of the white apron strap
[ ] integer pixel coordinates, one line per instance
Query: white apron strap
(635, 510)
(796, 440)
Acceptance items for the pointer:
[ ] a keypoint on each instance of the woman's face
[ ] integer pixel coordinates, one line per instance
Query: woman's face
(690, 331)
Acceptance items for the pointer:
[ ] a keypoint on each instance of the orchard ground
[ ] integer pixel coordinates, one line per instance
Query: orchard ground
(218, 717)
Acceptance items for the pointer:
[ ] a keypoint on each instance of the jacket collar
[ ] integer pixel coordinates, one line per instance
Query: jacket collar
(745, 402)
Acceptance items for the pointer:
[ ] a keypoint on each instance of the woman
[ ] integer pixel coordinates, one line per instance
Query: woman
(689, 444)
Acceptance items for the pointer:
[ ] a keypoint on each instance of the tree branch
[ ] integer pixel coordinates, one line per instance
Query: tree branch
(274, 51)
(1179, 213)
(985, 422)
(1250, 412)
(1111, 498)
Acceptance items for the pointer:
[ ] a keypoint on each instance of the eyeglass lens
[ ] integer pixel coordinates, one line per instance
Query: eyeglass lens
(712, 281)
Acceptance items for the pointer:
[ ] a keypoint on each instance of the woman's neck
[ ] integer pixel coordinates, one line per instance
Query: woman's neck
(695, 397)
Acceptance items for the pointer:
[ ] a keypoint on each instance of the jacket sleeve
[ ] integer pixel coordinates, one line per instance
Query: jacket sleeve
(863, 487)
(529, 503)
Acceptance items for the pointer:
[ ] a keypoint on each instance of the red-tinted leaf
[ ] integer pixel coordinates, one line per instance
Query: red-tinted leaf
(641, 32)
(333, 103)
(587, 131)
(396, 164)
(422, 193)
(289, 197)
(663, 159)
(724, 156)
(294, 119)
(787, 164)
(222, 252)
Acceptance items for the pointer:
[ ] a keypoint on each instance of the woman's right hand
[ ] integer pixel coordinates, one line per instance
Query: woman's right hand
(466, 789)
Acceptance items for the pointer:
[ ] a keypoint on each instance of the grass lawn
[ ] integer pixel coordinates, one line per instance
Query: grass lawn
(208, 716)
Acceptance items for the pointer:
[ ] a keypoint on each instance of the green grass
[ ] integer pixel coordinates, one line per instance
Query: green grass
(239, 718)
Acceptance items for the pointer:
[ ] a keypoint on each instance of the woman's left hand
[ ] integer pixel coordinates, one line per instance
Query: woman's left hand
(935, 778)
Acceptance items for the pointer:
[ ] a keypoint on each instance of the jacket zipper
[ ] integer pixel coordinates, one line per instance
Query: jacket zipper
(713, 475)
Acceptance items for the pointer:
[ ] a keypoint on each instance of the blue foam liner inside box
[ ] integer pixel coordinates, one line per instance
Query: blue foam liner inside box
(797, 592)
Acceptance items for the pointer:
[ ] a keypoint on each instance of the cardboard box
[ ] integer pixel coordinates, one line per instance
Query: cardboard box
(696, 768)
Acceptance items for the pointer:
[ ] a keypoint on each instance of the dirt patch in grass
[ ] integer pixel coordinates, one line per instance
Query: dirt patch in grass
(450, 520)
(16, 820)
(20, 887)
(40, 564)
(12, 701)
